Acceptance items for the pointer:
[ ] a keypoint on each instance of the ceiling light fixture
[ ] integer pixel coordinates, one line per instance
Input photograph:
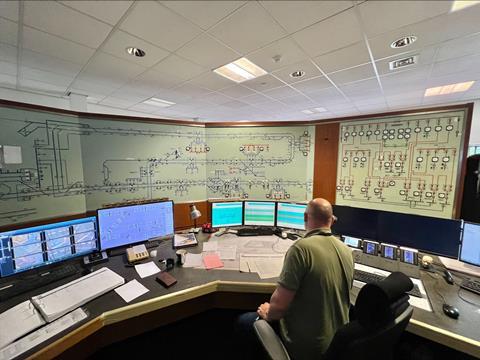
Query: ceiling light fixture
(297, 74)
(158, 102)
(135, 51)
(449, 89)
(403, 41)
(314, 110)
(240, 70)
(459, 5)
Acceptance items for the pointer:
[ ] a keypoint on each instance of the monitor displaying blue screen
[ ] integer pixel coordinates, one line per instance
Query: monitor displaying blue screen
(260, 213)
(227, 214)
(28, 248)
(470, 251)
(290, 215)
(132, 224)
(352, 241)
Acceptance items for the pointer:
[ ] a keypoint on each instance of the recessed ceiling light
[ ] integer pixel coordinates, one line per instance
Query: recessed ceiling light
(240, 70)
(459, 5)
(135, 51)
(308, 112)
(449, 89)
(403, 41)
(297, 74)
(158, 102)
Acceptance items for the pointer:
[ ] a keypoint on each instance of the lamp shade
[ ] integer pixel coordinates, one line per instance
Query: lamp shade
(194, 212)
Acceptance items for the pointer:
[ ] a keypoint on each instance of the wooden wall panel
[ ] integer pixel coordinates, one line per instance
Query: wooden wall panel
(181, 213)
(325, 163)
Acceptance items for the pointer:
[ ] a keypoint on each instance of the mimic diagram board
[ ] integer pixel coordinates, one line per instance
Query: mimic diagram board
(73, 164)
(406, 164)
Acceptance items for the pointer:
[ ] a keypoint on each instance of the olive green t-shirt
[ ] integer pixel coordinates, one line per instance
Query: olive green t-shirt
(320, 270)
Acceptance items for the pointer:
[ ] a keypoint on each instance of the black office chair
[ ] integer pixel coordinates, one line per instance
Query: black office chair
(380, 316)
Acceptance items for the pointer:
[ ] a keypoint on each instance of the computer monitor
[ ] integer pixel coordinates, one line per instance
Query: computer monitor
(433, 235)
(126, 225)
(352, 241)
(470, 251)
(409, 256)
(260, 213)
(290, 215)
(371, 247)
(357, 222)
(29, 248)
(388, 251)
(227, 213)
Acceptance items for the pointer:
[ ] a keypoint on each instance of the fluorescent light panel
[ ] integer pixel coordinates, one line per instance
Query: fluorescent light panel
(449, 89)
(459, 5)
(158, 102)
(240, 70)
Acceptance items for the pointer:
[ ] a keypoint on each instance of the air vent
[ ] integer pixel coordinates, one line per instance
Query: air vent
(401, 63)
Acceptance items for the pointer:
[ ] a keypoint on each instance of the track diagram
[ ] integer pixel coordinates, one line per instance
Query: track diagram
(404, 164)
(76, 164)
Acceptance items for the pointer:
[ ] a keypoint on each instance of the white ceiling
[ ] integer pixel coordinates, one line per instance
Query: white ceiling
(57, 47)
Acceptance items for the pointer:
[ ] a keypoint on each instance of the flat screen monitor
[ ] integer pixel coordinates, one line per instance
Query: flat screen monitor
(429, 234)
(227, 213)
(388, 251)
(352, 241)
(260, 213)
(470, 251)
(29, 248)
(357, 222)
(126, 225)
(371, 247)
(409, 256)
(290, 215)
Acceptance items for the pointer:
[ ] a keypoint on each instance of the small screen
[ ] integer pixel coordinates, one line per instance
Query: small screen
(352, 241)
(408, 256)
(470, 251)
(370, 248)
(389, 252)
(28, 248)
(227, 214)
(132, 224)
(291, 215)
(261, 213)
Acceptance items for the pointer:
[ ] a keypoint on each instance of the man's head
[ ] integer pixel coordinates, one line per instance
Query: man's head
(319, 214)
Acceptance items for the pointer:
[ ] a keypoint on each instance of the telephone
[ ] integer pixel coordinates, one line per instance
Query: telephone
(137, 253)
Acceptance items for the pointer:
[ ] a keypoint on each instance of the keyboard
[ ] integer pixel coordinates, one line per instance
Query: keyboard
(25, 284)
(255, 231)
(63, 299)
(471, 285)
(368, 277)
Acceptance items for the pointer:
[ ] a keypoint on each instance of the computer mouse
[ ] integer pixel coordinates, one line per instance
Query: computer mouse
(283, 235)
(450, 311)
(153, 253)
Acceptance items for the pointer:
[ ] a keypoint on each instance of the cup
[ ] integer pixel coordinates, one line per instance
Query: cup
(181, 256)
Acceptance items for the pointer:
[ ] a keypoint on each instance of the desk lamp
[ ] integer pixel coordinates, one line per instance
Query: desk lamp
(194, 215)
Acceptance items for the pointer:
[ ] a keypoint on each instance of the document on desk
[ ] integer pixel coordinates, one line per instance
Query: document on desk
(131, 290)
(44, 333)
(212, 261)
(65, 298)
(147, 269)
(227, 252)
(267, 267)
(193, 260)
(18, 321)
(211, 245)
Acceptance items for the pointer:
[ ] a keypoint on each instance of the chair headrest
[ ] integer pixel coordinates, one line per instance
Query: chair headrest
(380, 302)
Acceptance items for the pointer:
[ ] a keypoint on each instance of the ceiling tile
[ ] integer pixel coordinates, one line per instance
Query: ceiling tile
(211, 80)
(281, 93)
(263, 83)
(203, 13)
(361, 72)
(382, 16)
(179, 67)
(9, 9)
(144, 108)
(249, 28)
(153, 80)
(45, 76)
(298, 102)
(118, 42)
(325, 36)
(157, 24)
(115, 102)
(8, 68)
(345, 58)
(361, 87)
(47, 44)
(256, 99)
(208, 52)
(296, 15)
(89, 85)
(60, 20)
(8, 32)
(28, 84)
(49, 63)
(108, 11)
(192, 90)
(453, 78)
(313, 85)
(310, 70)
(174, 95)
(459, 47)
(132, 92)
(237, 91)
(328, 97)
(8, 53)
(235, 104)
(216, 98)
(463, 64)
(8, 80)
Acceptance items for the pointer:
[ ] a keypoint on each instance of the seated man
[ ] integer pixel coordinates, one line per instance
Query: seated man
(312, 298)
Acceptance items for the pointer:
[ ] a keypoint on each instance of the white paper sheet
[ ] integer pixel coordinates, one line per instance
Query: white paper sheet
(131, 290)
(268, 267)
(227, 253)
(147, 269)
(193, 260)
(210, 245)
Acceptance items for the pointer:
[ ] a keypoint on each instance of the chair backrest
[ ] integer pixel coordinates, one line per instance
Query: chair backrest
(382, 313)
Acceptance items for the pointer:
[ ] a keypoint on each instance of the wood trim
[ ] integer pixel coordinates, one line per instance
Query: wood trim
(325, 161)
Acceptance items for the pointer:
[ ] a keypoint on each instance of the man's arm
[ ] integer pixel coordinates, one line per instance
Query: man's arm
(278, 306)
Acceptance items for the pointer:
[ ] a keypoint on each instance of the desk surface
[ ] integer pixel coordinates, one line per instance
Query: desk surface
(461, 334)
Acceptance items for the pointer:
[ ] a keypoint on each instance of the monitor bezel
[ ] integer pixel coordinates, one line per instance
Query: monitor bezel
(276, 214)
(222, 202)
(264, 201)
(364, 247)
(461, 244)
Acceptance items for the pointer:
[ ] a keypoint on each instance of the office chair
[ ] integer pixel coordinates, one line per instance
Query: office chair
(380, 316)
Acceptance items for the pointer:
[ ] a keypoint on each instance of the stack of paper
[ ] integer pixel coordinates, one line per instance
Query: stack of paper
(193, 260)
(212, 261)
(147, 269)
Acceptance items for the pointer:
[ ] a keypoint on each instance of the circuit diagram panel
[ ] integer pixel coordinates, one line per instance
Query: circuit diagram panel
(405, 164)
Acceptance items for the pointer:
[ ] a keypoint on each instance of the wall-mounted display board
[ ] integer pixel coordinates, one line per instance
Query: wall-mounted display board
(405, 163)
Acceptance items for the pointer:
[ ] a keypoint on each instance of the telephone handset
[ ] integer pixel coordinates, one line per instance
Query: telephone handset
(137, 253)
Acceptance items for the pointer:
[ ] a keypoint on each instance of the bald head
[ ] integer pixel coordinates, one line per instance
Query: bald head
(319, 214)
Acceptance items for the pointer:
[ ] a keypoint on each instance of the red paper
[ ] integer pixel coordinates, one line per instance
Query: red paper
(212, 261)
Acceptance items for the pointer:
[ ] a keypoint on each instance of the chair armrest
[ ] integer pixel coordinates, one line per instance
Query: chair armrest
(270, 341)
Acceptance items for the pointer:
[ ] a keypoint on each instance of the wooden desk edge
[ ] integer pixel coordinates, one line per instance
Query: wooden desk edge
(455, 341)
